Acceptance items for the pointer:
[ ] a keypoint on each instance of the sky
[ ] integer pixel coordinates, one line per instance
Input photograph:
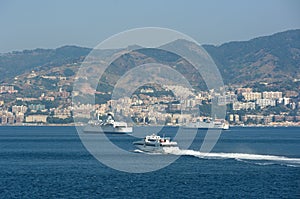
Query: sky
(34, 24)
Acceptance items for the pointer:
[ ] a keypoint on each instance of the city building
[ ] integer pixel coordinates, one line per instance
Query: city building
(251, 96)
(227, 99)
(19, 117)
(231, 117)
(62, 113)
(36, 107)
(272, 95)
(236, 118)
(19, 109)
(7, 89)
(278, 118)
(286, 100)
(243, 90)
(265, 102)
(4, 119)
(36, 118)
(243, 105)
(83, 110)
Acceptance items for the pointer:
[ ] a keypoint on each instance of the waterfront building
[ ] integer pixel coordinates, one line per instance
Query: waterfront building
(3, 119)
(236, 118)
(36, 118)
(19, 117)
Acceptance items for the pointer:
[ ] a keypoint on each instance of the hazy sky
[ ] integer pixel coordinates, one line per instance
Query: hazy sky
(50, 24)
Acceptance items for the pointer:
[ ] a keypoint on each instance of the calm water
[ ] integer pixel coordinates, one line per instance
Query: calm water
(51, 162)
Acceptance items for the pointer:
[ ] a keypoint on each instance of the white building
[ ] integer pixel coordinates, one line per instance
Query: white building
(83, 110)
(36, 118)
(7, 89)
(265, 102)
(251, 96)
(19, 109)
(272, 95)
(227, 99)
(236, 118)
(243, 105)
(286, 100)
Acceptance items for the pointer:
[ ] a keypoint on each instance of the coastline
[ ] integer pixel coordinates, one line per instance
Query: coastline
(278, 125)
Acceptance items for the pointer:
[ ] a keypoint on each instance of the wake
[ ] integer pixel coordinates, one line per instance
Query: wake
(245, 157)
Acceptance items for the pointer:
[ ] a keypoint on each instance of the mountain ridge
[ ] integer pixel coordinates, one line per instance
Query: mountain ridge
(270, 59)
(279, 52)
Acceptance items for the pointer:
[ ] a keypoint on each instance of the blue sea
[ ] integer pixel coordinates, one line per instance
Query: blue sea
(52, 162)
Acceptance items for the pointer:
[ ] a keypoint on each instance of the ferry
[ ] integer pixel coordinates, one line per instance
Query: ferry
(155, 143)
(109, 125)
(208, 124)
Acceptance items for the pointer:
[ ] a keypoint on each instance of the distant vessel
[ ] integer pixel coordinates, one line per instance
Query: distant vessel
(208, 124)
(154, 143)
(107, 126)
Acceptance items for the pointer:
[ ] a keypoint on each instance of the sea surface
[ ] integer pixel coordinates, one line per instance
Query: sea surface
(52, 162)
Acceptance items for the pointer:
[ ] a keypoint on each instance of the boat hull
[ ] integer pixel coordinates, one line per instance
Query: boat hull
(107, 129)
(203, 125)
(153, 148)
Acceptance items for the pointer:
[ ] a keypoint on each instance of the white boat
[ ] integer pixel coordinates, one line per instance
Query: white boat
(108, 126)
(208, 124)
(155, 143)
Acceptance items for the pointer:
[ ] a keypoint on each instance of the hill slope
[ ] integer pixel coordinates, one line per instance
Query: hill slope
(16, 63)
(273, 59)
(270, 58)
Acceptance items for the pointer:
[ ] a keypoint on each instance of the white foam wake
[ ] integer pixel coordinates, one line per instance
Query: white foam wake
(237, 156)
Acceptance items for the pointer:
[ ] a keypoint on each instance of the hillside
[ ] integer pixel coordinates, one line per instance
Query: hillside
(264, 59)
(272, 60)
(16, 63)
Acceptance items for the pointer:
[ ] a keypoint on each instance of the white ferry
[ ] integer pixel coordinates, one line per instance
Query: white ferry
(154, 143)
(107, 126)
(208, 124)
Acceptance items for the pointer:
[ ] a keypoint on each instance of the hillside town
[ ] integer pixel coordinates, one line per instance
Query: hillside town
(150, 106)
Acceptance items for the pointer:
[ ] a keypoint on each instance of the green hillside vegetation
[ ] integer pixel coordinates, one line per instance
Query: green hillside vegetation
(264, 63)
(16, 63)
(264, 59)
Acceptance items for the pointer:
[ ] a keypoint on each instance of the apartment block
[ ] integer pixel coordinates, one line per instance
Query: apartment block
(251, 96)
(272, 95)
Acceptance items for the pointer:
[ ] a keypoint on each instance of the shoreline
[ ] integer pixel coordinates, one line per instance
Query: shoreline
(74, 125)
